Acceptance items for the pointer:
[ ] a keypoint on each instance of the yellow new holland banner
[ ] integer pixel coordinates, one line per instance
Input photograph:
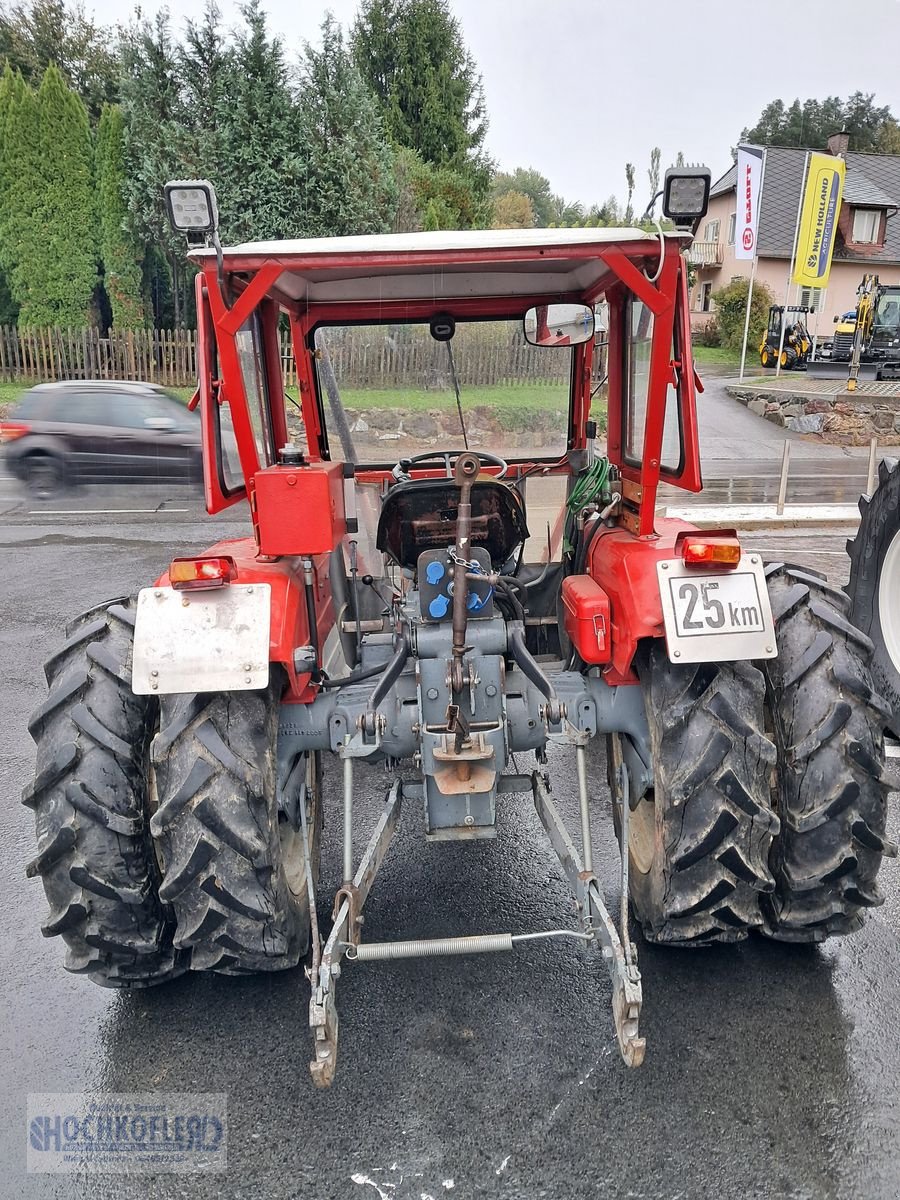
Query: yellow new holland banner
(818, 220)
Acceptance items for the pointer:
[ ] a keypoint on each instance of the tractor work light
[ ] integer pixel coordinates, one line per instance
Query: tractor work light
(192, 206)
(195, 574)
(705, 551)
(686, 195)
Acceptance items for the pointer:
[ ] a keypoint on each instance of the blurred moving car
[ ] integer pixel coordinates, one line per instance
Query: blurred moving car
(100, 431)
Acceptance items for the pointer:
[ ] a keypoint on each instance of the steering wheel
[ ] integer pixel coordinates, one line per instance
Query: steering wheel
(448, 457)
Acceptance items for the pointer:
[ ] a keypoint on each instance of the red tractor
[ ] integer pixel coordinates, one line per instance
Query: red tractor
(450, 582)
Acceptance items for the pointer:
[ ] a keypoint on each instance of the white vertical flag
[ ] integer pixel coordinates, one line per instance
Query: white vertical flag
(749, 173)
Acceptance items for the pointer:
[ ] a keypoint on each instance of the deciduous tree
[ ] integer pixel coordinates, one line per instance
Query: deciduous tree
(513, 210)
(530, 182)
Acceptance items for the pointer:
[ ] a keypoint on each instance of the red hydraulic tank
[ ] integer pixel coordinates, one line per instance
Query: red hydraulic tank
(299, 509)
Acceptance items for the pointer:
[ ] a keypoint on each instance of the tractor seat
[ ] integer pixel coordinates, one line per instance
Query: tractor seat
(420, 514)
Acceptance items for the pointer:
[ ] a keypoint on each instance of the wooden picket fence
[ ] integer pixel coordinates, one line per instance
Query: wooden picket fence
(166, 356)
(363, 357)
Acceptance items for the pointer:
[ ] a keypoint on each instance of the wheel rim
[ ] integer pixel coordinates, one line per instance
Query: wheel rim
(641, 820)
(765, 358)
(152, 806)
(784, 358)
(292, 857)
(889, 600)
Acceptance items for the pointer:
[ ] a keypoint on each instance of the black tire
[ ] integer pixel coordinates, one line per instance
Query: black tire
(879, 531)
(827, 720)
(95, 856)
(44, 475)
(232, 856)
(700, 839)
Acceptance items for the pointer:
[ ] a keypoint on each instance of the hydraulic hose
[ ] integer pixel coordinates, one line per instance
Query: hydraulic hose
(353, 677)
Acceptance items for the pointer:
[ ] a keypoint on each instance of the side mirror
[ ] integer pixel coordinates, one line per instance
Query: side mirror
(836, 320)
(558, 325)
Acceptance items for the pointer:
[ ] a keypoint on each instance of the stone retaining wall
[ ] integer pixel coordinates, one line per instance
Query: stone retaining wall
(840, 419)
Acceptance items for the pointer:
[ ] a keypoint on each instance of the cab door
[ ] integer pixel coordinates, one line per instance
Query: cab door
(223, 481)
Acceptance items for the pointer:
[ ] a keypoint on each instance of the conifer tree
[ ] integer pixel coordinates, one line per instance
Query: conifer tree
(62, 263)
(121, 252)
(261, 143)
(21, 178)
(8, 307)
(344, 165)
(412, 55)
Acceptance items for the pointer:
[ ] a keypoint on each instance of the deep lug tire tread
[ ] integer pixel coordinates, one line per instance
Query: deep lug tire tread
(831, 794)
(217, 831)
(94, 854)
(879, 525)
(715, 824)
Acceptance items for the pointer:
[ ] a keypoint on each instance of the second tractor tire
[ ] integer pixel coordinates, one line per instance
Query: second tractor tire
(234, 870)
(699, 841)
(827, 719)
(873, 588)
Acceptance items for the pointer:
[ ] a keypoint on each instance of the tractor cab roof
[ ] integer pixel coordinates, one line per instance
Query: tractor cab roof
(448, 264)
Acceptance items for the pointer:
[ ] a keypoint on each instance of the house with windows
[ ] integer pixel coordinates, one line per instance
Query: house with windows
(868, 238)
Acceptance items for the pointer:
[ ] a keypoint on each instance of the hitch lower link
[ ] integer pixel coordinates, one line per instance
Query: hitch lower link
(597, 928)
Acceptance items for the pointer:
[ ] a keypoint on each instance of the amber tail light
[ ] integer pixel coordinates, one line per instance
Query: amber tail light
(188, 574)
(698, 550)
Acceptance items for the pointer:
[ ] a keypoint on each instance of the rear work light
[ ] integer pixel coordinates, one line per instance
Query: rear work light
(188, 574)
(10, 430)
(700, 551)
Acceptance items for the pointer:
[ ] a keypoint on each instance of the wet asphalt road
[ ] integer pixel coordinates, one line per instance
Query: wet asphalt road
(770, 1071)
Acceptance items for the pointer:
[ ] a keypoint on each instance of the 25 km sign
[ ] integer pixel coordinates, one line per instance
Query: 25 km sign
(719, 617)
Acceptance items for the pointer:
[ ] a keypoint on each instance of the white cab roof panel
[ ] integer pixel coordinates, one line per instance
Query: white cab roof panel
(316, 270)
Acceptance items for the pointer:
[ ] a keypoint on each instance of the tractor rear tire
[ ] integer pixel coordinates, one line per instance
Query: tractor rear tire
(830, 794)
(233, 865)
(699, 840)
(90, 795)
(874, 586)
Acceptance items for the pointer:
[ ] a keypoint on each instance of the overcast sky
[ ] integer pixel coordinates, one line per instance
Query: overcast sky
(578, 88)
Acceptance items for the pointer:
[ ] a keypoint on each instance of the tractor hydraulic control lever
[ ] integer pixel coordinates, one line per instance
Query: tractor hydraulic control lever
(529, 667)
(391, 673)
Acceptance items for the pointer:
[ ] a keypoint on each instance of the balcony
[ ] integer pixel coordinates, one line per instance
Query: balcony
(706, 254)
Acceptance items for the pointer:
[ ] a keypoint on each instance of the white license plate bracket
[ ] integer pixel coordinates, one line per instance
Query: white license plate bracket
(215, 640)
(722, 616)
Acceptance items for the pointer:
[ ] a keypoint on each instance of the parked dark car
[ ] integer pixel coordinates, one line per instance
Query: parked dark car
(99, 431)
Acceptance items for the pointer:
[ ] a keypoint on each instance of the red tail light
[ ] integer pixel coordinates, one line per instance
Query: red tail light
(10, 430)
(195, 573)
(698, 550)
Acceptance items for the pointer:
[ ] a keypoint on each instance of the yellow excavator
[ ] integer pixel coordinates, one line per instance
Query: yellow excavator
(794, 350)
(876, 337)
